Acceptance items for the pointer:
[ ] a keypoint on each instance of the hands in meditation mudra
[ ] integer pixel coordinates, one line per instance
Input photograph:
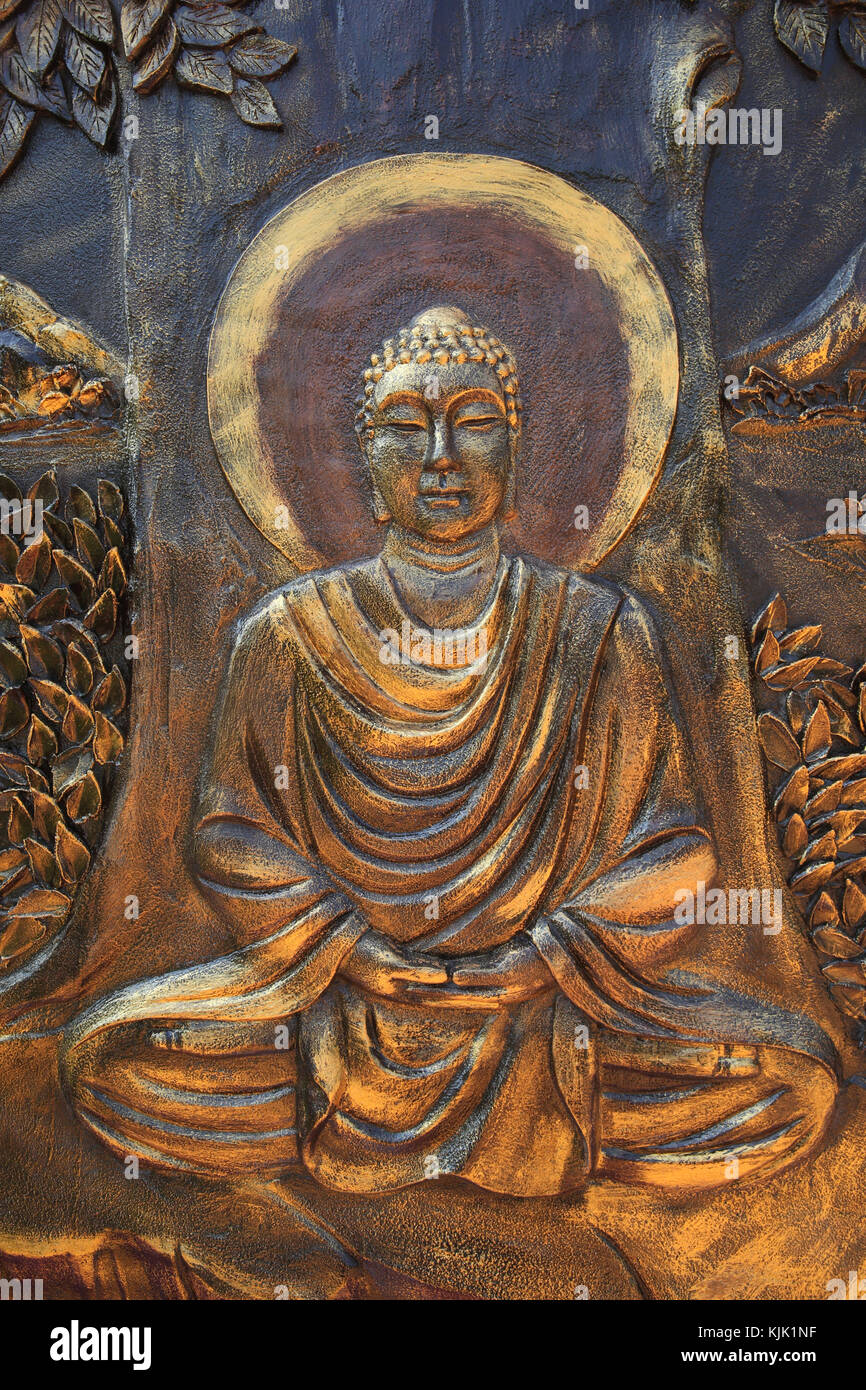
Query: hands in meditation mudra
(451, 868)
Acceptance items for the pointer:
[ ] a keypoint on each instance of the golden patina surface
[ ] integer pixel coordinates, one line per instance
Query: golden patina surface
(415, 881)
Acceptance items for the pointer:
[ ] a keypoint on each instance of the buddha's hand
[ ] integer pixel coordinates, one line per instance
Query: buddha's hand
(509, 973)
(377, 964)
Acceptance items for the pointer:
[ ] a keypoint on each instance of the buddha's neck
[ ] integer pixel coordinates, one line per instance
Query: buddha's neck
(443, 584)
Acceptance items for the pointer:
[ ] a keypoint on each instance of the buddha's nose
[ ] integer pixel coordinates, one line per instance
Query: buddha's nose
(442, 458)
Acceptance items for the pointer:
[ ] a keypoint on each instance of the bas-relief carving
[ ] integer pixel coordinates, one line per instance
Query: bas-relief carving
(63, 663)
(57, 59)
(461, 891)
(449, 806)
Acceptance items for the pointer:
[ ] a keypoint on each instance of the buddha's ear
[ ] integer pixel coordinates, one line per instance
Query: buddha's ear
(508, 510)
(377, 501)
(380, 510)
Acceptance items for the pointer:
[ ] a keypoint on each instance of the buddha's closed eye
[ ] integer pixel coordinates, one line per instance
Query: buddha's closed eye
(478, 422)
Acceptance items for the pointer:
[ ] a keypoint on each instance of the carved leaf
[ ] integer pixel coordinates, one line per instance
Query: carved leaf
(13, 669)
(102, 617)
(827, 799)
(211, 26)
(85, 63)
(254, 104)
(41, 902)
(41, 741)
(34, 563)
(80, 504)
(154, 64)
(853, 792)
(54, 605)
(69, 768)
(20, 82)
(95, 117)
(44, 657)
(773, 617)
(778, 743)
(15, 122)
(817, 736)
(110, 500)
(85, 799)
(75, 576)
(824, 848)
(853, 906)
(792, 676)
(139, 21)
(114, 537)
(110, 694)
(92, 18)
(90, 549)
(14, 713)
(45, 489)
(851, 1001)
(43, 865)
(107, 740)
(792, 796)
(801, 639)
(852, 36)
(824, 912)
(19, 826)
(23, 933)
(38, 33)
(72, 856)
(79, 672)
(841, 768)
(51, 699)
(8, 7)
(796, 836)
(802, 26)
(768, 654)
(77, 721)
(15, 598)
(204, 70)
(845, 972)
(113, 575)
(8, 553)
(815, 876)
(259, 55)
(835, 943)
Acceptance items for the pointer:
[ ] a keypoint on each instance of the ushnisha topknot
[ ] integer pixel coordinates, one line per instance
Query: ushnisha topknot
(441, 335)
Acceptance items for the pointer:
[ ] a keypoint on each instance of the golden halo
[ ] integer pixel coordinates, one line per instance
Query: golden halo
(255, 321)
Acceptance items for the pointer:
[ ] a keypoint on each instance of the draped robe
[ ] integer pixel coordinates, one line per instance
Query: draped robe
(451, 802)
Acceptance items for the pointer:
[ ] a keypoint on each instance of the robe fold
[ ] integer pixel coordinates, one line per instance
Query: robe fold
(531, 782)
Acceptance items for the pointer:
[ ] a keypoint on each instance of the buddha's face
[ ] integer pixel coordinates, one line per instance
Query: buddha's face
(440, 454)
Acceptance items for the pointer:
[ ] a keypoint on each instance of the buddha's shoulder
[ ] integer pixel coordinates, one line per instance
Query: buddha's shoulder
(617, 608)
(577, 587)
(274, 614)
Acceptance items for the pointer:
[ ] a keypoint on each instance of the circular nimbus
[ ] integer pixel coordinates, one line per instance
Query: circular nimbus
(551, 271)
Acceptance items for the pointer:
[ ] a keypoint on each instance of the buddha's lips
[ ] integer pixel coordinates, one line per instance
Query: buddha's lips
(448, 495)
(444, 499)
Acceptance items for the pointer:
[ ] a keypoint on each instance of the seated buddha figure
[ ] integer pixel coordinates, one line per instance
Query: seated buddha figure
(449, 810)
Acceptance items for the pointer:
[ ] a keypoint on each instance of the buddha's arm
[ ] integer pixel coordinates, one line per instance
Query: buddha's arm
(195, 1068)
(647, 843)
(641, 819)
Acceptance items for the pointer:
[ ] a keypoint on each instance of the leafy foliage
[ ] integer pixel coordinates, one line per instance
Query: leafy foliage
(57, 59)
(815, 746)
(803, 26)
(64, 691)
